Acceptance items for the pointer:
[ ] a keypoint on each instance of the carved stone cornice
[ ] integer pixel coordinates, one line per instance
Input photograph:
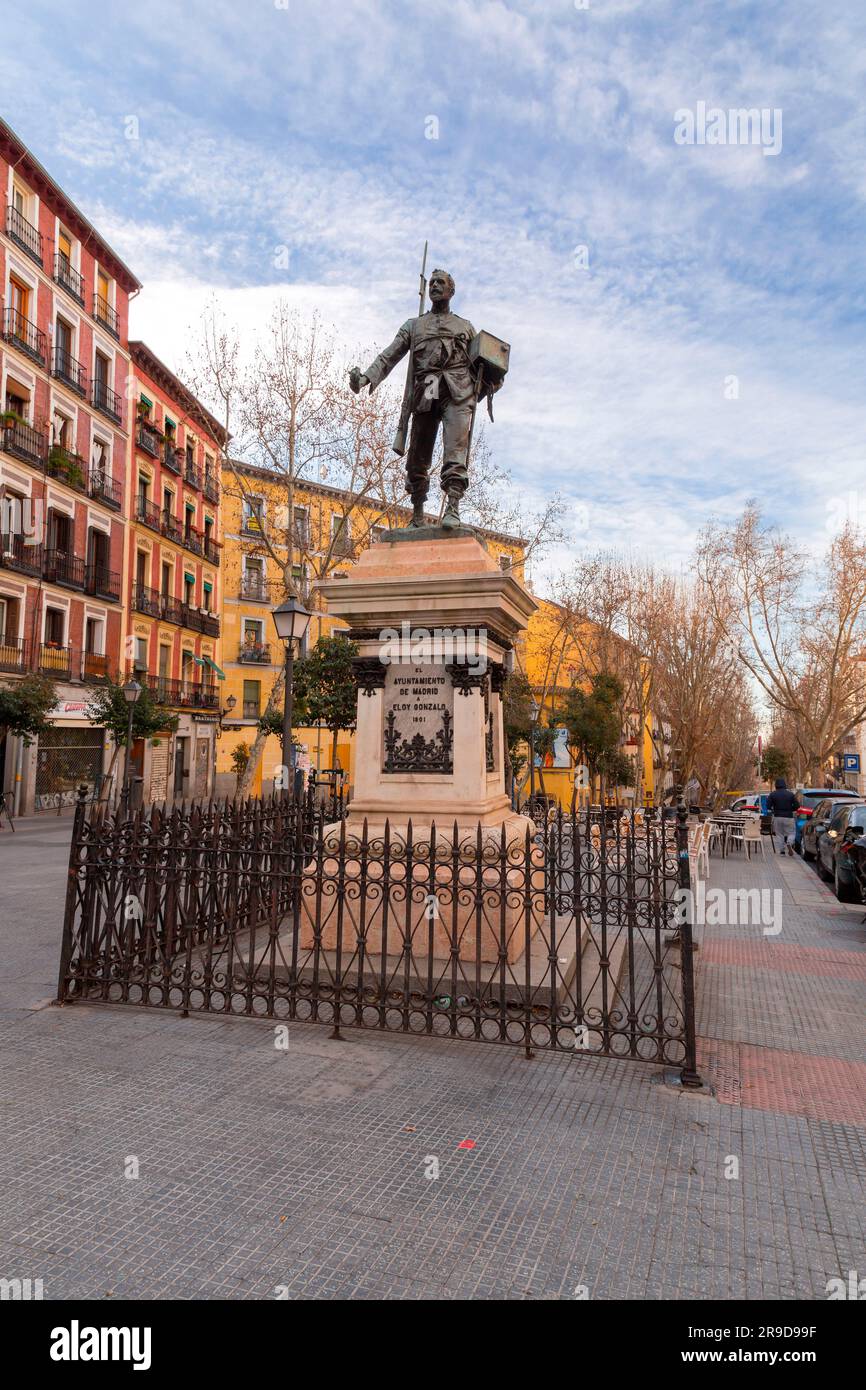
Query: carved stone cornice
(369, 674)
(465, 679)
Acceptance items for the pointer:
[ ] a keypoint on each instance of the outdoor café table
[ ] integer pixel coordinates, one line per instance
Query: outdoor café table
(726, 824)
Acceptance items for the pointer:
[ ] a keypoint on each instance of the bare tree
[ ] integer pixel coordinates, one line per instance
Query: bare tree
(797, 627)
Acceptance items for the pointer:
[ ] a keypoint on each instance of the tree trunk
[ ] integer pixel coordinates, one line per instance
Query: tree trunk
(275, 702)
(335, 735)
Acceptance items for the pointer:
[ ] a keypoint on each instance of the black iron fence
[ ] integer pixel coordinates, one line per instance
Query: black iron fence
(565, 938)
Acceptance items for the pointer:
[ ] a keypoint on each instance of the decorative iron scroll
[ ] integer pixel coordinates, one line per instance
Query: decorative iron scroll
(498, 677)
(464, 678)
(369, 674)
(419, 754)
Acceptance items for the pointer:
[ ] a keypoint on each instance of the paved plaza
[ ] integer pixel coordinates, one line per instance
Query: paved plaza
(308, 1173)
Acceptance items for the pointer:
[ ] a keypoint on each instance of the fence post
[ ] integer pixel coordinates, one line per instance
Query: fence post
(69, 911)
(689, 1076)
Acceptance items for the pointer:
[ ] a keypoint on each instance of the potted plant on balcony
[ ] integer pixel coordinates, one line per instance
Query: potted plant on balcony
(8, 418)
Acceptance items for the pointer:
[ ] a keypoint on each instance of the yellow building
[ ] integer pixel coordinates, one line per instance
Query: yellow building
(329, 529)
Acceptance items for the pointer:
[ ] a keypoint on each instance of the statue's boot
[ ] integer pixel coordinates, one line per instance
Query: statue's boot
(417, 512)
(451, 516)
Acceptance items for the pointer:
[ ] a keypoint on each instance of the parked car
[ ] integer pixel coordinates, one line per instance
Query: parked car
(815, 824)
(846, 825)
(809, 798)
(754, 802)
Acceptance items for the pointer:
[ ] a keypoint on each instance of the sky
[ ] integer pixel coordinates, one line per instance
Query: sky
(686, 316)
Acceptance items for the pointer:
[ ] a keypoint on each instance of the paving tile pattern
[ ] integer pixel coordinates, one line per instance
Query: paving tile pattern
(264, 1172)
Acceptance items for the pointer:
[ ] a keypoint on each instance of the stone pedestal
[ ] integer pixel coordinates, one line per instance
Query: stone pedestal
(435, 619)
(413, 713)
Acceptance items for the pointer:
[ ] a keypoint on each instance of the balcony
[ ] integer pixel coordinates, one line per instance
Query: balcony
(13, 655)
(255, 653)
(28, 237)
(148, 601)
(192, 475)
(252, 709)
(254, 588)
(211, 551)
(104, 314)
(102, 583)
(94, 667)
(183, 694)
(343, 546)
(23, 442)
(301, 534)
(19, 332)
(147, 513)
(68, 277)
(55, 660)
(59, 567)
(173, 611)
(172, 458)
(104, 489)
(192, 540)
(106, 400)
(147, 440)
(69, 370)
(67, 466)
(171, 528)
(17, 555)
(211, 487)
(210, 624)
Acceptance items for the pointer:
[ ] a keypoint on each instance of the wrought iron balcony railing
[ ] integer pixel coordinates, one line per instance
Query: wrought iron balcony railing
(172, 610)
(147, 600)
(148, 514)
(171, 527)
(67, 466)
(102, 582)
(183, 694)
(23, 442)
(94, 666)
(105, 399)
(252, 709)
(192, 475)
(16, 554)
(60, 567)
(28, 237)
(254, 588)
(106, 315)
(257, 653)
(146, 439)
(172, 457)
(13, 654)
(66, 275)
(192, 540)
(211, 487)
(105, 489)
(24, 335)
(55, 660)
(211, 551)
(68, 369)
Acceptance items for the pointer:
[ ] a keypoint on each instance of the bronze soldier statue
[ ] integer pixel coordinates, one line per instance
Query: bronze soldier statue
(442, 386)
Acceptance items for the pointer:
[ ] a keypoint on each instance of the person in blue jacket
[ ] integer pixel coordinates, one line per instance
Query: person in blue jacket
(783, 806)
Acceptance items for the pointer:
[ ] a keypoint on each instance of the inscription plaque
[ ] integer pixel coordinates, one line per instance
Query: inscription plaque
(418, 712)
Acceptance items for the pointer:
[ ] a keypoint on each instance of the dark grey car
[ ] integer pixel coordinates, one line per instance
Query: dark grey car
(818, 822)
(846, 824)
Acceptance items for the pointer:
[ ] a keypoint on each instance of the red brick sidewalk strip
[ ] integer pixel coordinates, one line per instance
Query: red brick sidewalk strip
(775, 955)
(793, 1083)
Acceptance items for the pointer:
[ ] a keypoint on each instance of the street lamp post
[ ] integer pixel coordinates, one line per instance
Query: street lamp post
(291, 620)
(131, 693)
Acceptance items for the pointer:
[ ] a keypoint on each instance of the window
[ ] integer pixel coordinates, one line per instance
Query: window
(143, 487)
(167, 576)
(145, 407)
(61, 429)
(164, 662)
(55, 627)
(167, 501)
(19, 301)
(505, 562)
(252, 699)
(186, 668)
(189, 590)
(63, 337)
(101, 457)
(140, 661)
(64, 248)
(101, 370)
(254, 514)
(207, 593)
(252, 632)
(16, 402)
(188, 519)
(301, 519)
(141, 560)
(93, 637)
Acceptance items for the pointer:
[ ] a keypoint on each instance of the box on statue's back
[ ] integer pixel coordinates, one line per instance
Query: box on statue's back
(435, 619)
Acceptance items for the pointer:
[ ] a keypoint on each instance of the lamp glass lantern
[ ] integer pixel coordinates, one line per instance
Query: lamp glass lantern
(291, 620)
(131, 692)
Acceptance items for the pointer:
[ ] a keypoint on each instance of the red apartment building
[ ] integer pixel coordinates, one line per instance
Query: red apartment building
(173, 575)
(64, 451)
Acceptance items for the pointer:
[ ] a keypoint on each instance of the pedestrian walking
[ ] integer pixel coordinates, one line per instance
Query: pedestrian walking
(783, 806)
